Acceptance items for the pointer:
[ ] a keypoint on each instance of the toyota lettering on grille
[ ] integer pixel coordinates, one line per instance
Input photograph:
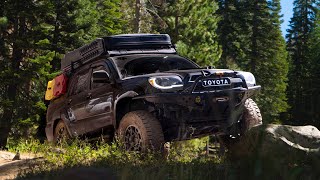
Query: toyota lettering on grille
(216, 82)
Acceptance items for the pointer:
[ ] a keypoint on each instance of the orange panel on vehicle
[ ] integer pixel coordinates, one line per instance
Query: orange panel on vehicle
(60, 85)
(49, 93)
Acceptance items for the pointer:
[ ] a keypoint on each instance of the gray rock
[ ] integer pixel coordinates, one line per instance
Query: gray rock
(278, 141)
(16, 157)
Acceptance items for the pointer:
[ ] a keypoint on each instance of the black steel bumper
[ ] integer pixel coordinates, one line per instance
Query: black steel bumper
(190, 115)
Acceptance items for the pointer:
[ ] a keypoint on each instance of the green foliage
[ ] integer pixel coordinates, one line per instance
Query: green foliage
(314, 86)
(192, 25)
(66, 25)
(301, 93)
(34, 36)
(3, 21)
(233, 30)
(111, 19)
(251, 40)
(138, 15)
(21, 72)
(271, 66)
(124, 165)
(187, 151)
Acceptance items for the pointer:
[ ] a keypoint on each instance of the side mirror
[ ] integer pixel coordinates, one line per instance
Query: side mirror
(100, 76)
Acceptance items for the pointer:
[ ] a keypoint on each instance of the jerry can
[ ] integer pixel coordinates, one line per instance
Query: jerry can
(49, 93)
(60, 85)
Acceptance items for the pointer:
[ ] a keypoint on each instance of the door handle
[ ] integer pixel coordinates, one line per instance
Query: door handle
(89, 96)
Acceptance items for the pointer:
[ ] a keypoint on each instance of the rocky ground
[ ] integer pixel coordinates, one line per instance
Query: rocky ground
(10, 168)
(280, 140)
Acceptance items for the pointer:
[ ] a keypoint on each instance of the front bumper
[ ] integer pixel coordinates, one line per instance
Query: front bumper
(190, 115)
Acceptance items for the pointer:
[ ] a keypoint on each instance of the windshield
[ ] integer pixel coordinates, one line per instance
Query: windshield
(135, 65)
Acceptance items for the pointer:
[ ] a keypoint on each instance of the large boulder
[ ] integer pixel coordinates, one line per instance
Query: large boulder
(277, 152)
(278, 141)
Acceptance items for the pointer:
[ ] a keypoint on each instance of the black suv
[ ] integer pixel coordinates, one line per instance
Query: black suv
(138, 87)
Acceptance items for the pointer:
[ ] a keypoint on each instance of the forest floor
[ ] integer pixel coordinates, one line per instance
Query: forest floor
(196, 159)
(9, 168)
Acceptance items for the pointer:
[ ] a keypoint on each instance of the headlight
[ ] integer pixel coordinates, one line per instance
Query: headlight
(249, 77)
(166, 82)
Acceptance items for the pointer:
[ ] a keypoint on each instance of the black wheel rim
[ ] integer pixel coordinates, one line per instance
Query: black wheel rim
(132, 139)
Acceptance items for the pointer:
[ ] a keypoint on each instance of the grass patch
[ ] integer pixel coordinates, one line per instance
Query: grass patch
(186, 161)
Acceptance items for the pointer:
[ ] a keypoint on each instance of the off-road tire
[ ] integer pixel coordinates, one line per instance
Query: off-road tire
(149, 128)
(251, 116)
(60, 133)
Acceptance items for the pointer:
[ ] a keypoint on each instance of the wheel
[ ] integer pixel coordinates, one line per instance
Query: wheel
(139, 130)
(251, 118)
(60, 132)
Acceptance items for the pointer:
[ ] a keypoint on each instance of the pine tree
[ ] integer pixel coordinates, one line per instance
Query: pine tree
(233, 33)
(314, 86)
(34, 35)
(18, 44)
(298, 45)
(110, 20)
(251, 40)
(192, 25)
(138, 16)
(68, 25)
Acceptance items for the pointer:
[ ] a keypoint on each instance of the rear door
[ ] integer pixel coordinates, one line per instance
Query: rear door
(77, 98)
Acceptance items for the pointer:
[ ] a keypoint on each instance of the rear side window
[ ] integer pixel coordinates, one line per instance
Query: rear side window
(81, 82)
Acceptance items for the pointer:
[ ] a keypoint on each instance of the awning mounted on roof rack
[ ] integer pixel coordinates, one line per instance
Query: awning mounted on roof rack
(114, 45)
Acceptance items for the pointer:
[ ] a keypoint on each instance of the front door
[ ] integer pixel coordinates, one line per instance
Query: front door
(99, 102)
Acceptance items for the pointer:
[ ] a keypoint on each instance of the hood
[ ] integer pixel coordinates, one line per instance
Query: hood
(189, 77)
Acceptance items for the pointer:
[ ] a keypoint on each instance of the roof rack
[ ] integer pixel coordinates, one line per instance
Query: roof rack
(117, 45)
(82, 55)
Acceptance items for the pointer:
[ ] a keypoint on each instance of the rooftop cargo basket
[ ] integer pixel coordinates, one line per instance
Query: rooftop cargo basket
(115, 45)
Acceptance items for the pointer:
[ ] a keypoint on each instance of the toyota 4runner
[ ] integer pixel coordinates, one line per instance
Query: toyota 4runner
(138, 87)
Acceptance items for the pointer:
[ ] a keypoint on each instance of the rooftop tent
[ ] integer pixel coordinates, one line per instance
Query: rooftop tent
(115, 45)
(137, 41)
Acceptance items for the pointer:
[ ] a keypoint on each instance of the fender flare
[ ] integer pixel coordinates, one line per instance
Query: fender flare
(128, 94)
(55, 122)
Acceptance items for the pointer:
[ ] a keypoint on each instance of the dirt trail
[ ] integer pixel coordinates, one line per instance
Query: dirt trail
(9, 168)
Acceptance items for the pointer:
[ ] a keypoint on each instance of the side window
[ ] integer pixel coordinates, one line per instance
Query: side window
(97, 85)
(81, 83)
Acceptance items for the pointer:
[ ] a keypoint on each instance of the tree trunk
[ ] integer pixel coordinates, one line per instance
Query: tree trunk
(137, 16)
(56, 36)
(254, 36)
(11, 89)
(176, 30)
(225, 55)
(6, 120)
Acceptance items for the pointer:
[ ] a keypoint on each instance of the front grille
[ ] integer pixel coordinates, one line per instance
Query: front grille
(235, 83)
(211, 112)
(200, 88)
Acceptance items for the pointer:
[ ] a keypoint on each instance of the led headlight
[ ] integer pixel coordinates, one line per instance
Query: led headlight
(166, 82)
(249, 77)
